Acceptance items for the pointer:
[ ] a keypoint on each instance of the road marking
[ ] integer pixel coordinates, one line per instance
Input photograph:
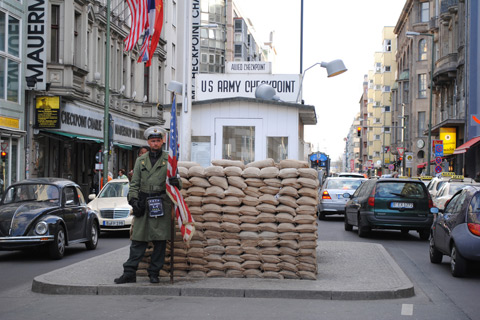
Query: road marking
(407, 310)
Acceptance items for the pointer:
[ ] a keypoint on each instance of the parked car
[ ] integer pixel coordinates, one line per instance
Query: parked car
(402, 204)
(449, 188)
(46, 212)
(111, 205)
(456, 231)
(332, 197)
(436, 183)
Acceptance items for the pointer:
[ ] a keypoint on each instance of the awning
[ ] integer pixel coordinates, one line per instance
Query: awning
(464, 147)
(74, 136)
(422, 165)
(123, 146)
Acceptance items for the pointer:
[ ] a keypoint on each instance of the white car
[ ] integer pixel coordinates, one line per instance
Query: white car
(449, 188)
(435, 184)
(111, 205)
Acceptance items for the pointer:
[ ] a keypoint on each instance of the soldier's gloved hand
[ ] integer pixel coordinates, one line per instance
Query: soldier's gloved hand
(137, 209)
(174, 182)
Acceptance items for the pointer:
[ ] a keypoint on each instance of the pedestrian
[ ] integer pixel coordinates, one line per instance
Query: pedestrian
(151, 207)
(143, 150)
(121, 174)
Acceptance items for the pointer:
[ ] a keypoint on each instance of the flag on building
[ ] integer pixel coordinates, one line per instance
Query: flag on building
(182, 213)
(157, 30)
(138, 12)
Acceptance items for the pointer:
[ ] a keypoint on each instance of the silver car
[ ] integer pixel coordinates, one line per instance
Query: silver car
(332, 197)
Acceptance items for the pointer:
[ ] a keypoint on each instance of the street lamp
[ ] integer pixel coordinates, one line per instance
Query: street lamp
(429, 144)
(334, 68)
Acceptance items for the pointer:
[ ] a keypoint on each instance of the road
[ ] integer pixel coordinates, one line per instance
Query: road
(437, 294)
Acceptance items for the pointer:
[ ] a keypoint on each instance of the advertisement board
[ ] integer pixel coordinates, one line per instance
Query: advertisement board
(449, 137)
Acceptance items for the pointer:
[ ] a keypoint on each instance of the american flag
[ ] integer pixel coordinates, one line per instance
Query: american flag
(184, 217)
(138, 10)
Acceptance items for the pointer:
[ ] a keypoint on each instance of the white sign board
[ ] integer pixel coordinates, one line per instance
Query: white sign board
(409, 159)
(263, 67)
(218, 86)
(36, 28)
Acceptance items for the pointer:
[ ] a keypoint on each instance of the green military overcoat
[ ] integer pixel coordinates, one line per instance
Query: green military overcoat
(150, 179)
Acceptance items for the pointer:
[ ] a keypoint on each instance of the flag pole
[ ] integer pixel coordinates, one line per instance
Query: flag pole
(172, 229)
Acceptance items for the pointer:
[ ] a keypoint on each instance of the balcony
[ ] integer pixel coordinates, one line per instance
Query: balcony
(433, 24)
(445, 68)
(448, 9)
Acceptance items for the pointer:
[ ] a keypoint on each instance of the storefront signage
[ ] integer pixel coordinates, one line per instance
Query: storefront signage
(36, 57)
(47, 112)
(248, 67)
(9, 122)
(449, 137)
(217, 86)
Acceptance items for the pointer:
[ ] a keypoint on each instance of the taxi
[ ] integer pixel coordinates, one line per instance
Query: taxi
(449, 188)
(436, 183)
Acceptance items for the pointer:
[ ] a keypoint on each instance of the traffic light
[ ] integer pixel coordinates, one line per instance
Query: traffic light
(359, 131)
(4, 156)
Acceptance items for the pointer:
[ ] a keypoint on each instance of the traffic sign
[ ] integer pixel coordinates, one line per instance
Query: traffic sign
(439, 150)
(438, 169)
(391, 167)
(400, 151)
(438, 160)
(409, 159)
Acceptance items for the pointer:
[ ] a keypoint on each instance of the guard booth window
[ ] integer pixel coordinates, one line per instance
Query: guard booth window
(239, 143)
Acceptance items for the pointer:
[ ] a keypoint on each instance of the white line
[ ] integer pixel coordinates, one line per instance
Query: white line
(407, 310)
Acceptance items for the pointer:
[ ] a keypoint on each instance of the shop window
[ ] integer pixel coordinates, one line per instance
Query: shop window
(9, 57)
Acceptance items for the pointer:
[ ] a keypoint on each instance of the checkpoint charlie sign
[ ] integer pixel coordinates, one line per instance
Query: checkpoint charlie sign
(218, 86)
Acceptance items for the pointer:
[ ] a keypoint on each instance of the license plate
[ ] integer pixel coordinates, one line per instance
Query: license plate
(113, 223)
(401, 205)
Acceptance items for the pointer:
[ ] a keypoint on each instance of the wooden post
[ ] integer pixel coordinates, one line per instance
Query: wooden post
(172, 239)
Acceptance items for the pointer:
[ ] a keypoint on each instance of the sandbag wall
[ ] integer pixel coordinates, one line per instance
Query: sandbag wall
(257, 220)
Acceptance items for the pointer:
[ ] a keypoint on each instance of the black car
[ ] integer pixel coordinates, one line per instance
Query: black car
(46, 212)
(402, 204)
(456, 231)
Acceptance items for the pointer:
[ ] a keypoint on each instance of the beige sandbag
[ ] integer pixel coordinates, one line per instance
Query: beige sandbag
(183, 172)
(307, 267)
(231, 200)
(248, 219)
(213, 234)
(308, 183)
(307, 244)
(230, 227)
(286, 251)
(186, 183)
(214, 255)
(212, 217)
(305, 259)
(310, 210)
(267, 226)
(194, 201)
(216, 274)
(251, 250)
(249, 227)
(230, 235)
(195, 244)
(309, 192)
(234, 274)
(196, 171)
(231, 210)
(309, 173)
(219, 181)
(215, 191)
(251, 172)
(234, 191)
(249, 235)
(268, 173)
(308, 236)
(212, 200)
(288, 266)
(307, 275)
(288, 201)
(230, 242)
(288, 191)
(238, 182)
(273, 182)
(305, 219)
(228, 163)
(233, 257)
(194, 210)
(269, 267)
(288, 243)
(269, 190)
(233, 250)
(265, 217)
(187, 164)
(233, 266)
(306, 252)
(195, 191)
(250, 201)
(306, 201)
(286, 227)
(214, 265)
(199, 182)
(306, 228)
(196, 252)
(249, 211)
(233, 171)
(267, 243)
(267, 235)
(289, 259)
(249, 244)
(288, 235)
(252, 273)
(252, 191)
(261, 163)
(212, 226)
(214, 171)
(212, 208)
(269, 251)
(291, 163)
(270, 258)
(288, 173)
(184, 193)
(265, 207)
(286, 209)
(269, 199)
(284, 218)
(291, 182)
(251, 264)
(196, 274)
(254, 182)
(289, 274)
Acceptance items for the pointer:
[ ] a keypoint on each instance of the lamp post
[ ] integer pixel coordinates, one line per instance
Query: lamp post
(106, 115)
(334, 68)
(429, 144)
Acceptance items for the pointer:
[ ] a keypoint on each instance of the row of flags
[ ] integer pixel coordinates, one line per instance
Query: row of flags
(147, 18)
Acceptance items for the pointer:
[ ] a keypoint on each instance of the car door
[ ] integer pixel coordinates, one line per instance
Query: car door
(441, 228)
(351, 206)
(358, 201)
(75, 213)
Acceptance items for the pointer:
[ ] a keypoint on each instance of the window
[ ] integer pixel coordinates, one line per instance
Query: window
(387, 45)
(422, 85)
(376, 154)
(406, 88)
(174, 14)
(386, 109)
(9, 57)
(421, 123)
(239, 143)
(55, 33)
(378, 87)
(422, 49)
(377, 137)
(386, 89)
(387, 68)
(424, 11)
(77, 45)
(377, 120)
(378, 67)
(146, 81)
(277, 148)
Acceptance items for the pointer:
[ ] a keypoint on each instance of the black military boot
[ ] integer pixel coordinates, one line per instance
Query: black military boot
(154, 278)
(124, 278)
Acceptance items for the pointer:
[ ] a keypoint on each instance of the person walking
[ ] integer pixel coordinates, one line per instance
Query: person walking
(151, 207)
(121, 174)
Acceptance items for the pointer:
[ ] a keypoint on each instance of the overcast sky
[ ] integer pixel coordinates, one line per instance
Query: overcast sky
(350, 30)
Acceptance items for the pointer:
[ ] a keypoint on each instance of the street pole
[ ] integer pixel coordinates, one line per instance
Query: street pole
(186, 116)
(430, 109)
(106, 120)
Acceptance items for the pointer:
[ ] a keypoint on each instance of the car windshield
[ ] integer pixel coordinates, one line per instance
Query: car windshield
(454, 188)
(114, 190)
(399, 189)
(344, 184)
(32, 192)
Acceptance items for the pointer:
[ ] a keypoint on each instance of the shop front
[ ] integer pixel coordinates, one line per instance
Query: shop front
(11, 142)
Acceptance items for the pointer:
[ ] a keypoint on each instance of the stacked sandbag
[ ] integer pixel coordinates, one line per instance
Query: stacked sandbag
(252, 221)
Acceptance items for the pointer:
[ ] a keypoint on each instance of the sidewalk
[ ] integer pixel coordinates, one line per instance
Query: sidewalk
(346, 271)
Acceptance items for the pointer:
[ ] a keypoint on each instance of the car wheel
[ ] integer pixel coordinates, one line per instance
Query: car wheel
(424, 234)
(435, 255)
(321, 215)
(92, 243)
(362, 231)
(56, 249)
(348, 226)
(458, 264)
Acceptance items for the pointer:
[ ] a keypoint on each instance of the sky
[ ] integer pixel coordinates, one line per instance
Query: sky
(350, 30)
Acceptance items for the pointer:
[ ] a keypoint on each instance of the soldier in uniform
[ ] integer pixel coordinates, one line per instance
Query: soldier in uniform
(151, 207)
